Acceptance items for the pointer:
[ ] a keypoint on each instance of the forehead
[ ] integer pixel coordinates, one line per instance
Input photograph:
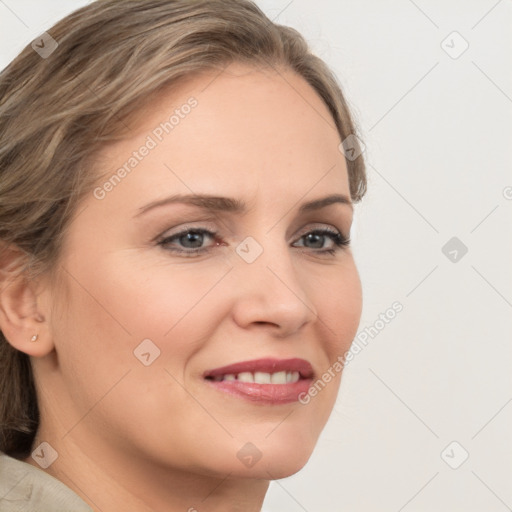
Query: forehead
(232, 132)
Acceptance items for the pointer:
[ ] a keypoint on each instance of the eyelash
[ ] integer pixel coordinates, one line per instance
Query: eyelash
(339, 240)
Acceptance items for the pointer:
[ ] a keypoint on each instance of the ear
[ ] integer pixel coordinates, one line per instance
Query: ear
(20, 315)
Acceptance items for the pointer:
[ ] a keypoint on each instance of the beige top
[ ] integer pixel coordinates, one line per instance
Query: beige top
(25, 488)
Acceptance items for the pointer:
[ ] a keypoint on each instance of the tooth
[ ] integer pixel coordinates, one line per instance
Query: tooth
(292, 377)
(245, 377)
(262, 378)
(279, 378)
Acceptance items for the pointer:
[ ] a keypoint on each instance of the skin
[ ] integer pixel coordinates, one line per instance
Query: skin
(139, 438)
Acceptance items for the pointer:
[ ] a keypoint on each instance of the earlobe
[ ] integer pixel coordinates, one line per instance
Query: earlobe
(21, 322)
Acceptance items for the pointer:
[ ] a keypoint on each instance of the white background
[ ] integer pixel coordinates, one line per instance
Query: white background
(438, 142)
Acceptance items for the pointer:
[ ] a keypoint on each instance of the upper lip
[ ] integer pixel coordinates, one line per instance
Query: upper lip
(266, 365)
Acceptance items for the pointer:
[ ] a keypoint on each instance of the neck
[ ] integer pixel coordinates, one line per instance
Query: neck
(109, 481)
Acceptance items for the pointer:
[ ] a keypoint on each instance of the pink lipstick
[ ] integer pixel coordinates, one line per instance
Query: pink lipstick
(269, 380)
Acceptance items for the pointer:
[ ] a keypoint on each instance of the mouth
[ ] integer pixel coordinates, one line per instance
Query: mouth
(269, 380)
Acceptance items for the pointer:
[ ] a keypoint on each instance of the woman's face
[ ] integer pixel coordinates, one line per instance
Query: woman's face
(141, 321)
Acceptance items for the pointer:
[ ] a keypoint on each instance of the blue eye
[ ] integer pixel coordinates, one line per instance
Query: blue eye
(336, 237)
(191, 241)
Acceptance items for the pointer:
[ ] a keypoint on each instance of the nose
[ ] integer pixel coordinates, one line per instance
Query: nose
(272, 292)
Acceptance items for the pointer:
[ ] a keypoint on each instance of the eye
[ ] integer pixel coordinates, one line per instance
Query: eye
(191, 241)
(317, 238)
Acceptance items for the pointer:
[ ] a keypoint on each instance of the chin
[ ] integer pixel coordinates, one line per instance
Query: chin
(275, 462)
(285, 468)
(272, 469)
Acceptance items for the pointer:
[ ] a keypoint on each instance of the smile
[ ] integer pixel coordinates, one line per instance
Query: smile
(269, 381)
(260, 377)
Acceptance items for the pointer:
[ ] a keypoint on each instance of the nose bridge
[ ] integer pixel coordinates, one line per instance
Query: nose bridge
(269, 288)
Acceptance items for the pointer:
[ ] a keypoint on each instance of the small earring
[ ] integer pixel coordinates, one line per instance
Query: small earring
(34, 338)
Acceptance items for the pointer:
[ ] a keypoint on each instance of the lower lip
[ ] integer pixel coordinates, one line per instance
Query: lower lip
(265, 393)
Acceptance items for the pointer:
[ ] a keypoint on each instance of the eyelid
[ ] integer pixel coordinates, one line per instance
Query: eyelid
(186, 227)
(214, 232)
(336, 236)
(319, 226)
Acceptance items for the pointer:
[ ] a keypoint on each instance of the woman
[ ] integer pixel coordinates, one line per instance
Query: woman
(177, 182)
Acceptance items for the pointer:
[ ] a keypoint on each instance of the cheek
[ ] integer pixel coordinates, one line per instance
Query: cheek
(129, 300)
(109, 310)
(339, 305)
(166, 301)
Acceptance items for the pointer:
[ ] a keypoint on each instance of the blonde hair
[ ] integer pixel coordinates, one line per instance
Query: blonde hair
(58, 110)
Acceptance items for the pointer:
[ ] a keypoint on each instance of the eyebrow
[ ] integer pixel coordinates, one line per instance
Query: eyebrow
(228, 204)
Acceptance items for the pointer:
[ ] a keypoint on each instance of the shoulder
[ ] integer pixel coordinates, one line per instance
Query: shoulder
(24, 488)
